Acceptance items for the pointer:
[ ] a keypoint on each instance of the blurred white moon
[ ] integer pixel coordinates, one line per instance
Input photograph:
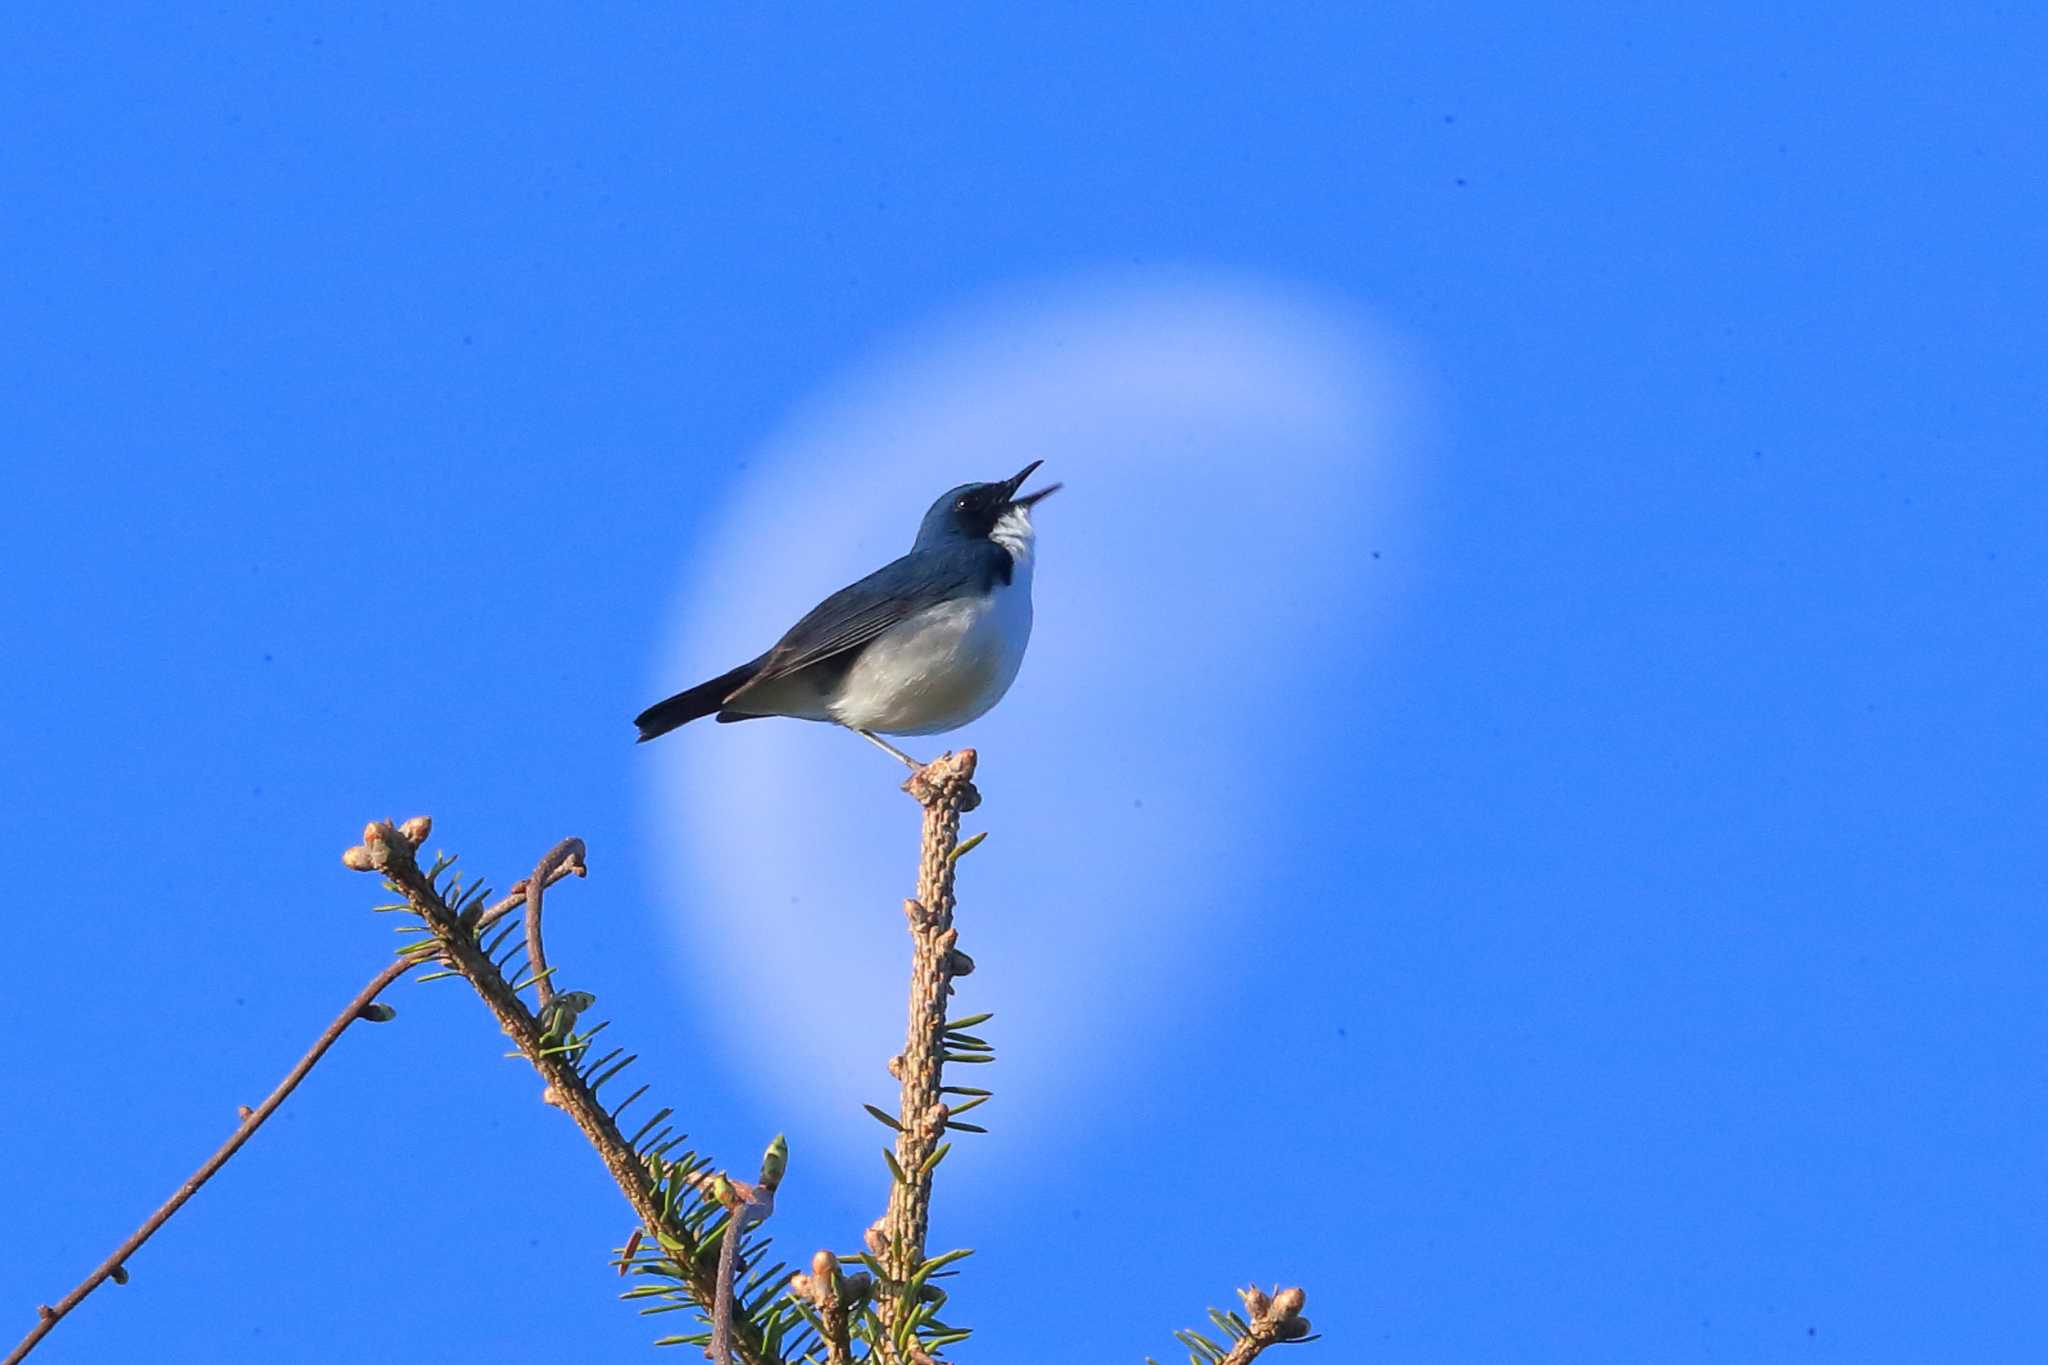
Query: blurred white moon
(1231, 453)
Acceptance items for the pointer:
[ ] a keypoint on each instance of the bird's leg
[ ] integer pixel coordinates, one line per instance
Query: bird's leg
(883, 744)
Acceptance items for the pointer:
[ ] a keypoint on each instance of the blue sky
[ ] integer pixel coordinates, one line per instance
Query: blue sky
(1565, 882)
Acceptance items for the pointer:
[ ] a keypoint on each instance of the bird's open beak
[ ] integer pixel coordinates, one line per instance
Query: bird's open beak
(1012, 485)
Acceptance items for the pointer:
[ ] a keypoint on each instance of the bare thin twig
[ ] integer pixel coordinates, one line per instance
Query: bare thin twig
(748, 1205)
(721, 1303)
(49, 1315)
(945, 788)
(561, 855)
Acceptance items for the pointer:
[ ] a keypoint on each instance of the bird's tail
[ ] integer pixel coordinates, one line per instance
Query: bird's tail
(701, 700)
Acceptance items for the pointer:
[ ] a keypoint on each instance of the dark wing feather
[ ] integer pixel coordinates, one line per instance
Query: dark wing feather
(861, 611)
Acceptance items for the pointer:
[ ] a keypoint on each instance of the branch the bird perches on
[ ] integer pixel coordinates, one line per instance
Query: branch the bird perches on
(691, 1249)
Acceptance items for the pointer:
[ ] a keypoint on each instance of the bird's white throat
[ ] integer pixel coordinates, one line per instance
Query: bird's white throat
(1013, 532)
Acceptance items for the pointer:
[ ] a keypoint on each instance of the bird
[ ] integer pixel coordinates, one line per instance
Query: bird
(923, 645)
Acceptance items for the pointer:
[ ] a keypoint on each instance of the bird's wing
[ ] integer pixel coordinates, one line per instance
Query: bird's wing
(861, 611)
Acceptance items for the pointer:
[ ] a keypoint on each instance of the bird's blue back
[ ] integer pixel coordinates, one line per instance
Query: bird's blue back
(946, 562)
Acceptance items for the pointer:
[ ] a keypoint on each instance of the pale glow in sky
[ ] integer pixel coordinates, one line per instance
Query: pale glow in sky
(1233, 455)
(1623, 896)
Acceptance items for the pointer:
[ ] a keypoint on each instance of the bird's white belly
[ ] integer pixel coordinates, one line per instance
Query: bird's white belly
(943, 667)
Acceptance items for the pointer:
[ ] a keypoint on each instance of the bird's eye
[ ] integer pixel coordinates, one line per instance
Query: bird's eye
(960, 505)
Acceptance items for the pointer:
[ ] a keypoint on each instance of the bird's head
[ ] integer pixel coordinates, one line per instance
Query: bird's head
(974, 511)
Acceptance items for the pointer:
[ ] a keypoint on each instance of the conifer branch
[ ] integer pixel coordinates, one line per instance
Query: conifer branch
(652, 1188)
(678, 1198)
(363, 1007)
(896, 1243)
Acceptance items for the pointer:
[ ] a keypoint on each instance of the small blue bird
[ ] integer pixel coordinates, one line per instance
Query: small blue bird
(922, 645)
